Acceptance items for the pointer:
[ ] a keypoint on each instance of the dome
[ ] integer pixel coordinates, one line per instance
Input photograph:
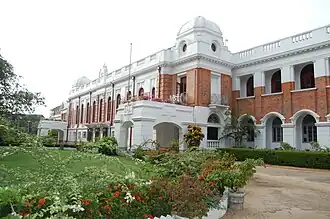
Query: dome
(82, 81)
(200, 22)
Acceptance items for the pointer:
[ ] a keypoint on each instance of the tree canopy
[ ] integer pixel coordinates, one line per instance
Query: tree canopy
(14, 97)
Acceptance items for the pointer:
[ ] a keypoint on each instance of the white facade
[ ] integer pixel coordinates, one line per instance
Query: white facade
(200, 44)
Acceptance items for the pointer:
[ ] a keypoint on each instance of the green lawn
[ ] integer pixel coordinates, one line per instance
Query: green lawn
(26, 163)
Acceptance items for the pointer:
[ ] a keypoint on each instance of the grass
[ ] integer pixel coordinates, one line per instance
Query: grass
(25, 162)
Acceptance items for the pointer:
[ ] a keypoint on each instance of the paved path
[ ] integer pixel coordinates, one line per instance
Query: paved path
(281, 193)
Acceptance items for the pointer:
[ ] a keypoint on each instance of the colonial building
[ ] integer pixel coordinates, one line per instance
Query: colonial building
(283, 87)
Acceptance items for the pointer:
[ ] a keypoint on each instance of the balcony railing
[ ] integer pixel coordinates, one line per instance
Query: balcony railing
(180, 99)
(214, 144)
(219, 99)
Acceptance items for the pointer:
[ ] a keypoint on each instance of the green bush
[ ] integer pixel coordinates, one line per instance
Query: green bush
(308, 159)
(108, 146)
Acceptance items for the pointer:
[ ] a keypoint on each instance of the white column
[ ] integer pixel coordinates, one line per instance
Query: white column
(258, 79)
(321, 67)
(142, 131)
(204, 141)
(260, 140)
(289, 135)
(101, 132)
(323, 133)
(93, 136)
(287, 74)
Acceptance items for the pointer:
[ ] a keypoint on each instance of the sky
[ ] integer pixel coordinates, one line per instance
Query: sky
(51, 43)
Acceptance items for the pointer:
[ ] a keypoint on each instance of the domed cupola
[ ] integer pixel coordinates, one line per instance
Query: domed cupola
(200, 23)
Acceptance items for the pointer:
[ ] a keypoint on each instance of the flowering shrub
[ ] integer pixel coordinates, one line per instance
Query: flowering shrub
(193, 136)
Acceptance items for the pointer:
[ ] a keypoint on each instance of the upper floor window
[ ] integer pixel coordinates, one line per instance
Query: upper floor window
(77, 114)
(276, 84)
(82, 114)
(307, 79)
(94, 111)
(249, 87)
(87, 113)
(183, 84)
(153, 92)
(109, 109)
(141, 92)
(100, 110)
(118, 101)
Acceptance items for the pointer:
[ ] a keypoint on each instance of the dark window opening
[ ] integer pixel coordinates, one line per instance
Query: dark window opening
(100, 110)
(249, 87)
(82, 114)
(109, 109)
(141, 92)
(183, 85)
(276, 82)
(307, 79)
(94, 111)
(212, 133)
(153, 93)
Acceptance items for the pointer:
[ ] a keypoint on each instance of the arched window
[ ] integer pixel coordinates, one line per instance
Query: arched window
(100, 110)
(118, 101)
(153, 93)
(94, 111)
(82, 114)
(249, 87)
(77, 114)
(109, 109)
(129, 95)
(87, 113)
(213, 118)
(277, 130)
(141, 92)
(307, 79)
(276, 82)
(309, 129)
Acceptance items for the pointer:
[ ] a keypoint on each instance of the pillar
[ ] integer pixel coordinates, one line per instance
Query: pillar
(260, 139)
(142, 131)
(93, 136)
(259, 87)
(321, 74)
(289, 135)
(323, 130)
(287, 79)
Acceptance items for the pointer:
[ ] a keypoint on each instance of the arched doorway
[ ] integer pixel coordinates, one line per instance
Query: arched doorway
(306, 131)
(274, 132)
(276, 84)
(248, 125)
(167, 132)
(126, 135)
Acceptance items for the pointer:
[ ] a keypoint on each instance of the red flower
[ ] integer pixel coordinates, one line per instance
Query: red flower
(211, 183)
(148, 216)
(137, 198)
(107, 207)
(38, 206)
(116, 194)
(86, 202)
(27, 204)
(200, 177)
(160, 198)
(42, 201)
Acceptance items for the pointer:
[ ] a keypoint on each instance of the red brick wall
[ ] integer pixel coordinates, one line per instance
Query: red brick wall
(199, 87)
(287, 103)
(226, 87)
(167, 86)
(272, 103)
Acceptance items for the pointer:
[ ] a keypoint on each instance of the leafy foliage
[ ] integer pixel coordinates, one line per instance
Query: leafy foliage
(194, 136)
(15, 98)
(238, 130)
(308, 159)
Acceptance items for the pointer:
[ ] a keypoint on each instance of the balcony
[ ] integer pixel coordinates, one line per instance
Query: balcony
(179, 99)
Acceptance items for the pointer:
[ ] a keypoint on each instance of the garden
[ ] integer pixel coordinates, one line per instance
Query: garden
(99, 181)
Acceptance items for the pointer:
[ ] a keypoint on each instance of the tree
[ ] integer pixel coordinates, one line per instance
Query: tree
(238, 130)
(14, 97)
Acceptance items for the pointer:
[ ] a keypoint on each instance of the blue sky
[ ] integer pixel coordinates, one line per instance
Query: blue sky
(52, 43)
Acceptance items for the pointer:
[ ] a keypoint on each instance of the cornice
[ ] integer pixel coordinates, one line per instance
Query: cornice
(282, 55)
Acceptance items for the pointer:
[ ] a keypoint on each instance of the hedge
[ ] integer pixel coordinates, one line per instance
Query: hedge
(308, 159)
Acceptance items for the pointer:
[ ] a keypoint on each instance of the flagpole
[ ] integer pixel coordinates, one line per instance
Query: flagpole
(129, 72)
